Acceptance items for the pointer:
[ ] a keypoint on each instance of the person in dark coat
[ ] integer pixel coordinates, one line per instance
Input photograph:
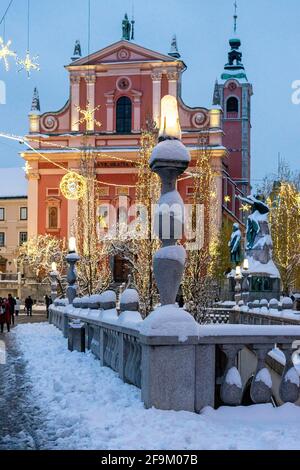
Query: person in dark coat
(12, 304)
(5, 316)
(48, 302)
(28, 305)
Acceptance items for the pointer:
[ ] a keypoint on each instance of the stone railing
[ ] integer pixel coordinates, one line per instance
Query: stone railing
(184, 373)
(266, 313)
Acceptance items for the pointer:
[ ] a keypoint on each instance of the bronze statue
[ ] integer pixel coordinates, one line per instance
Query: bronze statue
(235, 244)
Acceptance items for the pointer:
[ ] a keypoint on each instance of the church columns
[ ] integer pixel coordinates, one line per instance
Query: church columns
(90, 93)
(33, 206)
(110, 111)
(72, 206)
(136, 96)
(173, 83)
(156, 95)
(75, 101)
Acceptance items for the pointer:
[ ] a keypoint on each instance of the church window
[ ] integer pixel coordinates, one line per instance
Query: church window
(232, 105)
(124, 115)
(53, 217)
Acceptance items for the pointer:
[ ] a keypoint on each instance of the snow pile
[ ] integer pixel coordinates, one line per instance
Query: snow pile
(108, 296)
(130, 320)
(292, 376)
(265, 377)
(86, 406)
(109, 316)
(170, 150)
(175, 253)
(129, 296)
(170, 320)
(255, 267)
(233, 377)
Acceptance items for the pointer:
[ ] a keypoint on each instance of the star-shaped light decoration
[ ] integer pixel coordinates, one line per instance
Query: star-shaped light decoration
(245, 207)
(88, 116)
(227, 198)
(27, 168)
(5, 52)
(28, 64)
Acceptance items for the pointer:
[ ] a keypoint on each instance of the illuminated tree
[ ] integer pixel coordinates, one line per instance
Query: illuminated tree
(285, 229)
(199, 282)
(38, 254)
(136, 244)
(93, 268)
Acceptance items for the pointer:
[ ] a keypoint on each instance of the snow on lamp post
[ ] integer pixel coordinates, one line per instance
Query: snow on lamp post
(169, 160)
(54, 276)
(72, 258)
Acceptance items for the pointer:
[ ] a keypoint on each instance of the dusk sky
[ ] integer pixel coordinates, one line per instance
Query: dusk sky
(270, 34)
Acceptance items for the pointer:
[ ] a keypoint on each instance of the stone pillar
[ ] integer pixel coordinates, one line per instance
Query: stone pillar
(156, 95)
(136, 111)
(110, 111)
(173, 83)
(90, 93)
(75, 101)
(33, 207)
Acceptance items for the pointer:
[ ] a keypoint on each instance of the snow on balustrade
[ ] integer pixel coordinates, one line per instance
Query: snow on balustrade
(123, 343)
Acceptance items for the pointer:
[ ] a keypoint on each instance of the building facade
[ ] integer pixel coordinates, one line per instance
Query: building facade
(13, 231)
(114, 94)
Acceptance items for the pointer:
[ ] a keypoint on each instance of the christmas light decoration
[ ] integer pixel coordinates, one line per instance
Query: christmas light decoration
(5, 52)
(285, 231)
(27, 168)
(28, 64)
(73, 186)
(245, 208)
(227, 198)
(88, 116)
(198, 285)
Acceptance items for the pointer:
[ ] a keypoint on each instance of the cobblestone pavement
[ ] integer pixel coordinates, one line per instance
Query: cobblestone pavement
(19, 418)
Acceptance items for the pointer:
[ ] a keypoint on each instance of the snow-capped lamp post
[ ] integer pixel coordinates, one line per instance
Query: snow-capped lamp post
(72, 258)
(54, 276)
(167, 334)
(169, 159)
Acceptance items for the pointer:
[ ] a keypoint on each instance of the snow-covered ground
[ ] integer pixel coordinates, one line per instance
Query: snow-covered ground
(89, 407)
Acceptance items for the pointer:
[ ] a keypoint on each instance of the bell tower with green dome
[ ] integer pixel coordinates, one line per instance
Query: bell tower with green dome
(233, 93)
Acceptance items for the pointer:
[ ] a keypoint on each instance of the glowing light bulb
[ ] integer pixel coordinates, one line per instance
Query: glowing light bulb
(238, 270)
(54, 267)
(169, 118)
(246, 264)
(72, 244)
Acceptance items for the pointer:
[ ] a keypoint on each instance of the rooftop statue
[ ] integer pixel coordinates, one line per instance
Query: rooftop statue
(126, 28)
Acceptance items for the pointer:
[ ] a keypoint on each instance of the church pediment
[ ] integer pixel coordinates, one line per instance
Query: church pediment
(122, 51)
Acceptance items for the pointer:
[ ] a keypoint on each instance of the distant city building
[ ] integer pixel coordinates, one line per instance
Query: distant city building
(13, 217)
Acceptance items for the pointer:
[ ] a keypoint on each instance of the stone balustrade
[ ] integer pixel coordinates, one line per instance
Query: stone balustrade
(184, 373)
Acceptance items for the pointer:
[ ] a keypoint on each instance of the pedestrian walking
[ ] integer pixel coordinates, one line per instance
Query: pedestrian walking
(12, 303)
(48, 302)
(5, 316)
(18, 306)
(28, 305)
